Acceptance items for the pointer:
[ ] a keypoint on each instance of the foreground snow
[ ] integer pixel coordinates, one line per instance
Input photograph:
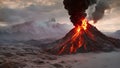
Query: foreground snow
(27, 56)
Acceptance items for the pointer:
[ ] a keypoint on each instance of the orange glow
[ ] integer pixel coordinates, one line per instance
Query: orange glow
(71, 48)
(77, 40)
(61, 50)
(78, 29)
(84, 24)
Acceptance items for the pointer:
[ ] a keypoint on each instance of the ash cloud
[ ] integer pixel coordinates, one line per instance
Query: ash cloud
(98, 10)
(76, 9)
(21, 20)
(15, 12)
(31, 10)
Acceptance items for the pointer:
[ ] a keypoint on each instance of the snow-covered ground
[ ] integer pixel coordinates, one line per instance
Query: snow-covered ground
(34, 30)
(26, 56)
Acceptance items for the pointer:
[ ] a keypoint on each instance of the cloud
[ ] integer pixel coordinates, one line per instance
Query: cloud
(25, 3)
(34, 30)
(19, 11)
(102, 7)
(32, 10)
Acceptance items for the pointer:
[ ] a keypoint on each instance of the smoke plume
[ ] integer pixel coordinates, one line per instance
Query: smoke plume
(77, 8)
(100, 8)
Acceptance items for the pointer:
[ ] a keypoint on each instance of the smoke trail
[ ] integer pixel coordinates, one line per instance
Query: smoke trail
(100, 8)
(76, 9)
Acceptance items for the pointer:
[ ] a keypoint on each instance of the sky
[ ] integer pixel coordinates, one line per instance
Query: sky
(19, 11)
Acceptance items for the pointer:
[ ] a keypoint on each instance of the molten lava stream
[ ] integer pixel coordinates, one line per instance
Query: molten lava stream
(77, 40)
(84, 37)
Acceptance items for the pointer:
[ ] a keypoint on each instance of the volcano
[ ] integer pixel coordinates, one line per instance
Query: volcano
(84, 37)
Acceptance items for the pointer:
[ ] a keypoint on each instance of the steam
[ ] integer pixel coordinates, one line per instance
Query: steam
(19, 11)
(101, 8)
(50, 29)
(13, 12)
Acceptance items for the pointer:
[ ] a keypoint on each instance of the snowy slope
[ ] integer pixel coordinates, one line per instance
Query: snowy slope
(34, 30)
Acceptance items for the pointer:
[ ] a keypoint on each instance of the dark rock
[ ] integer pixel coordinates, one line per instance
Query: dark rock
(57, 65)
(62, 62)
(68, 66)
(21, 54)
(1, 60)
(51, 57)
(89, 40)
(8, 54)
(39, 62)
(12, 65)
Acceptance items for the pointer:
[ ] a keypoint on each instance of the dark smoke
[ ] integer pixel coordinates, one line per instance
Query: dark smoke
(100, 8)
(77, 8)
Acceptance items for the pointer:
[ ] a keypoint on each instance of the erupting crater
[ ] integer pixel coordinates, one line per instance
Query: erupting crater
(84, 37)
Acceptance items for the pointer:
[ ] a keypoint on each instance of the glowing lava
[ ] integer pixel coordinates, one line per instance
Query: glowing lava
(84, 37)
(84, 24)
(78, 35)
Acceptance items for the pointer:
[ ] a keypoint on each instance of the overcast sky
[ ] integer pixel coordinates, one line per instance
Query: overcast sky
(19, 11)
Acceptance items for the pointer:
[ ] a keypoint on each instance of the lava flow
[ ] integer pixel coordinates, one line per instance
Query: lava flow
(77, 40)
(84, 37)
